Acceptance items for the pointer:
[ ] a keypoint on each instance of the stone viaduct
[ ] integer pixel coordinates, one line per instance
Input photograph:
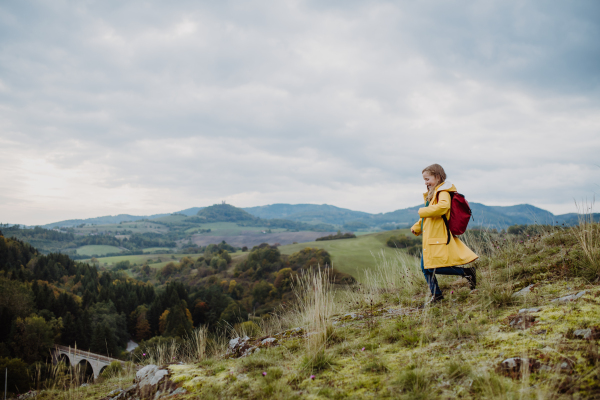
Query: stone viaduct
(78, 357)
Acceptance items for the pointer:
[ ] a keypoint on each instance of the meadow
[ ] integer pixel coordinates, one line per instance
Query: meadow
(91, 250)
(228, 229)
(154, 260)
(353, 256)
(135, 227)
(530, 331)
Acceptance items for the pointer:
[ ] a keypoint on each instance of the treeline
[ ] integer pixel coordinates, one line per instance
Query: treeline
(338, 235)
(37, 233)
(413, 245)
(58, 241)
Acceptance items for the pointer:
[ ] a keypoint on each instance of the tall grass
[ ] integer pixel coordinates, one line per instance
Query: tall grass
(398, 277)
(195, 347)
(315, 305)
(587, 233)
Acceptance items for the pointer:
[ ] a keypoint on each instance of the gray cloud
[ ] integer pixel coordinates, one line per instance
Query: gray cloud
(109, 107)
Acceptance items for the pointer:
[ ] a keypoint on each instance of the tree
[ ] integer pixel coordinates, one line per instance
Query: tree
(18, 377)
(142, 329)
(33, 337)
(103, 340)
(162, 322)
(16, 300)
(179, 320)
(262, 291)
(283, 281)
(234, 314)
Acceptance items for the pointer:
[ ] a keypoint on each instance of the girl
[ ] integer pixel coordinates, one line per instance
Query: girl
(438, 257)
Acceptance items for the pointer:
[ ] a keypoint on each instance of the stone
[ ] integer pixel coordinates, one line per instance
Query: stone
(179, 391)
(512, 367)
(522, 321)
(583, 333)
(114, 392)
(149, 378)
(28, 395)
(529, 310)
(571, 297)
(523, 292)
(238, 347)
(268, 342)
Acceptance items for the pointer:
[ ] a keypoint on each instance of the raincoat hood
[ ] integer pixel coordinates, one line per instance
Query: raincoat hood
(442, 187)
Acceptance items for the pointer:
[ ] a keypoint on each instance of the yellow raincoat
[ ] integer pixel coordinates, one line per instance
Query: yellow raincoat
(436, 253)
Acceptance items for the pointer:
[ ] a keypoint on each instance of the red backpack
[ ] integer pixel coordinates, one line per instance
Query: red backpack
(460, 214)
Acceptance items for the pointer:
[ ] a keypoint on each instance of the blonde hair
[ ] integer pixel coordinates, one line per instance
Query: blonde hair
(437, 171)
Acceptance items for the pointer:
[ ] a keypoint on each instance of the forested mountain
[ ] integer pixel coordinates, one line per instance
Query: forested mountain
(499, 217)
(228, 213)
(315, 216)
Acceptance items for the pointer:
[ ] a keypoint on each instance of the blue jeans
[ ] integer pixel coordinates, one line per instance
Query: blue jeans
(431, 273)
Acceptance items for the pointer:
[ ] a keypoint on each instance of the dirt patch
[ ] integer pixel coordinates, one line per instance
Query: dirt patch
(251, 239)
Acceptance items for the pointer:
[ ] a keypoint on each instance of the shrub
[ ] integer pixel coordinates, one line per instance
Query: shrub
(113, 369)
(247, 328)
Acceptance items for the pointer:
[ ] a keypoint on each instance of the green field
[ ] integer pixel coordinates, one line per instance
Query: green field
(100, 250)
(229, 229)
(135, 227)
(154, 260)
(352, 256)
(155, 249)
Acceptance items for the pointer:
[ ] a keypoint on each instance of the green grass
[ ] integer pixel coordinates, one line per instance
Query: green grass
(135, 227)
(229, 229)
(163, 259)
(155, 249)
(154, 260)
(352, 256)
(97, 249)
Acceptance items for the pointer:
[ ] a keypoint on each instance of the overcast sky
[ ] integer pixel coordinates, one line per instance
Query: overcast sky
(143, 107)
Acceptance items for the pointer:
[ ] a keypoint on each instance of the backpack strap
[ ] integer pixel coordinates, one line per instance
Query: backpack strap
(447, 228)
(446, 219)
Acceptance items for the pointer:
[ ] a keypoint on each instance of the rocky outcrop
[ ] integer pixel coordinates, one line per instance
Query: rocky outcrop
(571, 297)
(151, 382)
(243, 346)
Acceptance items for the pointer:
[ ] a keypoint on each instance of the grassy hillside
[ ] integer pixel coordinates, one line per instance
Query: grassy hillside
(352, 256)
(99, 250)
(530, 330)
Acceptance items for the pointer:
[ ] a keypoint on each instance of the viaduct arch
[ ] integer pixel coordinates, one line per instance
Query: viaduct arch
(76, 356)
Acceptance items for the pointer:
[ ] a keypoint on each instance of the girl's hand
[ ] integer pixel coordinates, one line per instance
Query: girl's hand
(413, 231)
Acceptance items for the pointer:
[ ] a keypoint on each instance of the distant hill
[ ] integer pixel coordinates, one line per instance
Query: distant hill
(325, 217)
(109, 219)
(229, 213)
(310, 213)
(499, 217)
(225, 213)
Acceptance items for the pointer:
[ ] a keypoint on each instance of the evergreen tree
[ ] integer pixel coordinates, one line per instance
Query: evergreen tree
(103, 340)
